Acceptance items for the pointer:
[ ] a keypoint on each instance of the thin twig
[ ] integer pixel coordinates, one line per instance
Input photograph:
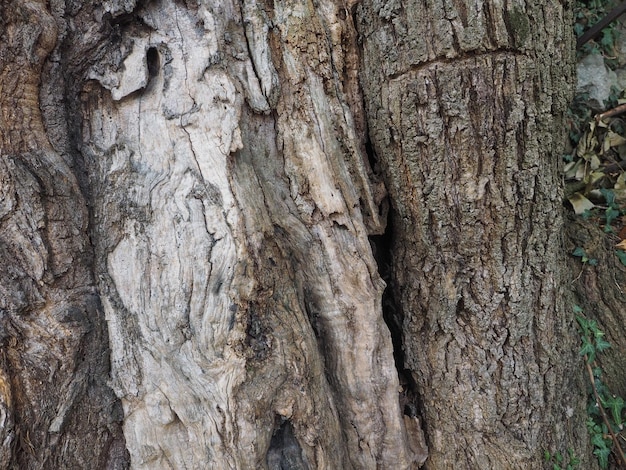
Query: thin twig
(600, 25)
(579, 274)
(611, 112)
(619, 451)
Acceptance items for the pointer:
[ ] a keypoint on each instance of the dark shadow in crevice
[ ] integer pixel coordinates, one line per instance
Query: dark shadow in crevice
(285, 452)
(393, 315)
(371, 157)
(153, 61)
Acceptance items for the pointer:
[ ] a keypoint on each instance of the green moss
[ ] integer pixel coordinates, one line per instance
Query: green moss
(519, 26)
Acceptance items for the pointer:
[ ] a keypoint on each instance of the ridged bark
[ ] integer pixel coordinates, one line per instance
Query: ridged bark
(464, 102)
(56, 410)
(186, 209)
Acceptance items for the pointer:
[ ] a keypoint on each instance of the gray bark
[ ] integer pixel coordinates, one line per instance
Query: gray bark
(187, 279)
(466, 120)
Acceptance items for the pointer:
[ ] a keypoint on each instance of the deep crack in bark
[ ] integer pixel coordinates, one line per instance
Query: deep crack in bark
(382, 246)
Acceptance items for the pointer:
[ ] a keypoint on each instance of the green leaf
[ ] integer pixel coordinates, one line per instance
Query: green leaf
(546, 456)
(597, 332)
(603, 457)
(603, 391)
(579, 29)
(598, 441)
(622, 256)
(588, 350)
(615, 405)
(592, 427)
(608, 195)
(607, 40)
(602, 344)
(577, 309)
(611, 214)
(593, 327)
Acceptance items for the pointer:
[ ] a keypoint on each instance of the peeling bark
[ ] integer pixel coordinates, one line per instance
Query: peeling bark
(231, 207)
(187, 216)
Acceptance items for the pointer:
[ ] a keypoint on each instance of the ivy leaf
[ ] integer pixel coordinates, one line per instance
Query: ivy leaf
(588, 350)
(615, 405)
(602, 344)
(579, 29)
(609, 196)
(611, 214)
(597, 440)
(573, 460)
(603, 456)
(608, 40)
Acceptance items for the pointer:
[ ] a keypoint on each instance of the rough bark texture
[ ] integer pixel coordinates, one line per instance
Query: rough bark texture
(55, 408)
(231, 206)
(464, 102)
(193, 178)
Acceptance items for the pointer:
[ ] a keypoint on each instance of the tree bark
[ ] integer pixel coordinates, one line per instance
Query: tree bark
(464, 102)
(187, 217)
(56, 410)
(231, 206)
(599, 292)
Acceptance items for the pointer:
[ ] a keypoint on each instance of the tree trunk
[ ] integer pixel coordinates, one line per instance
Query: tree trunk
(56, 410)
(600, 293)
(194, 177)
(232, 255)
(465, 118)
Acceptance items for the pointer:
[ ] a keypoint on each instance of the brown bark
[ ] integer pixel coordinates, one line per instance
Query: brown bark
(186, 191)
(464, 103)
(599, 291)
(53, 361)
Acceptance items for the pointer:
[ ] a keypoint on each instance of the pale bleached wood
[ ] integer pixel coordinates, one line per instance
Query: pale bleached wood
(233, 254)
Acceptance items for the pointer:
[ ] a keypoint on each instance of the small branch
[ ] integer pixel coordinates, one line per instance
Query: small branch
(600, 25)
(611, 112)
(605, 418)
(613, 167)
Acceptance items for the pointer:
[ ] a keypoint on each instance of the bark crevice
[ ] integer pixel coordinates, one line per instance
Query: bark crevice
(285, 452)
